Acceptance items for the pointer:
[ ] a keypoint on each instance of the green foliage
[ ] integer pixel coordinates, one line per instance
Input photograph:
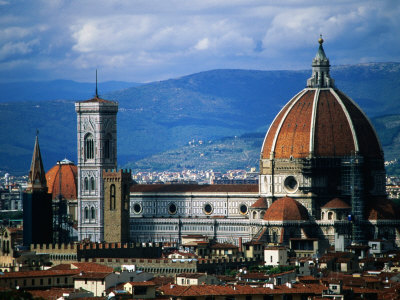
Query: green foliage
(117, 269)
(275, 270)
(230, 272)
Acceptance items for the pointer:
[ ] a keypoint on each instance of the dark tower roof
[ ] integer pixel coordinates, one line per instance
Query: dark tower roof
(37, 175)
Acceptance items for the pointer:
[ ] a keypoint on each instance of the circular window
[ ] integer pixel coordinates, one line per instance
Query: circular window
(137, 208)
(243, 209)
(172, 208)
(291, 184)
(207, 208)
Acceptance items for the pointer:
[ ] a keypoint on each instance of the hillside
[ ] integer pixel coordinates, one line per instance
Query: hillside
(243, 152)
(228, 153)
(160, 116)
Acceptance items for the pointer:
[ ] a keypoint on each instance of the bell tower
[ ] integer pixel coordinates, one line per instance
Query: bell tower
(97, 150)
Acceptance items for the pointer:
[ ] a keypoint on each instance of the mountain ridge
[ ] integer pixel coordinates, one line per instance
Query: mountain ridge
(159, 116)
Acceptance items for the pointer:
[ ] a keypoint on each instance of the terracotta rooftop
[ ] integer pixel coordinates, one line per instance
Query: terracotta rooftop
(41, 273)
(336, 203)
(141, 283)
(223, 246)
(84, 267)
(187, 188)
(216, 290)
(191, 275)
(92, 275)
(260, 203)
(286, 209)
(53, 293)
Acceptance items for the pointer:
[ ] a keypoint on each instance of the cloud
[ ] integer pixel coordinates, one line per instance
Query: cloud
(15, 49)
(203, 44)
(144, 40)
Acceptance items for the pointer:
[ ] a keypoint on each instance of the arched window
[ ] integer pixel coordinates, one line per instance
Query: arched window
(86, 184)
(254, 215)
(126, 197)
(112, 197)
(330, 215)
(86, 213)
(322, 215)
(92, 213)
(92, 184)
(107, 147)
(89, 146)
(274, 237)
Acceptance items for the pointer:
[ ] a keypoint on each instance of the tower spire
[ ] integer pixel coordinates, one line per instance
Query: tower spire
(320, 77)
(97, 95)
(37, 175)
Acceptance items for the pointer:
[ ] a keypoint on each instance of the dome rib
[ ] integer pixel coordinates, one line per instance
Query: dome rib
(274, 128)
(332, 129)
(362, 125)
(349, 120)
(313, 120)
(293, 139)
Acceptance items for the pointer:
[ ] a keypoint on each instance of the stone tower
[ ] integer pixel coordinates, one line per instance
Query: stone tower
(97, 150)
(38, 227)
(116, 205)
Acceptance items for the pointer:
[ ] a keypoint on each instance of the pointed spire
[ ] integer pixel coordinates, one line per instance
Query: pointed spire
(320, 77)
(37, 175)
(97, 94)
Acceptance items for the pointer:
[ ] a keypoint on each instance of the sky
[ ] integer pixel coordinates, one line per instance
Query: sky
(150, 40)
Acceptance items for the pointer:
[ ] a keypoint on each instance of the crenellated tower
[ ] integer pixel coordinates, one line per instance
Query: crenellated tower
(116, 205)
(97, 150)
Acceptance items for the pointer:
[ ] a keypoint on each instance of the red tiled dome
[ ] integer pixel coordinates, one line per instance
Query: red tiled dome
(286, 209)
(380, 208)
(323, 122)
(68, 179)
(336, 203)
(260, 203)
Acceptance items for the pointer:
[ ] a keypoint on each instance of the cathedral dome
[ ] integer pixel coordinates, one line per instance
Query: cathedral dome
(336, 203)
(260, 203)
(381, 208)
(321, 121)
(64, 175)
(286, 209)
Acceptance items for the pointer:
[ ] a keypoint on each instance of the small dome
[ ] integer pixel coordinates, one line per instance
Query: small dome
(68, 179)
(336, 204)
(260, 203)
(380, 208)
(286, 209)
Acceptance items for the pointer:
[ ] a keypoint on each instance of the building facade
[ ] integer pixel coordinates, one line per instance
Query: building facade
(321, 177)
